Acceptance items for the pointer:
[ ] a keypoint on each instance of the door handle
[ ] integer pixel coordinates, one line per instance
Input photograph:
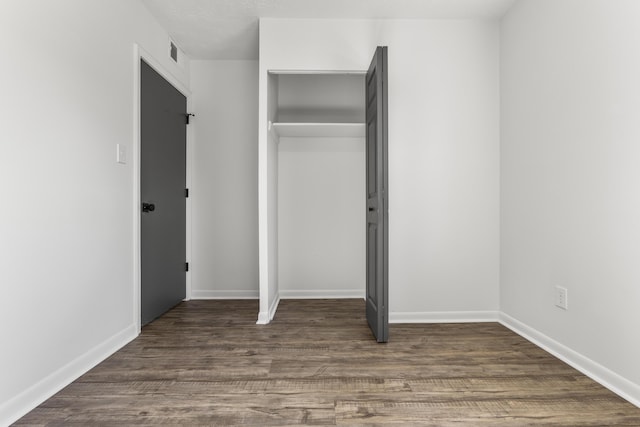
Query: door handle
(371, 209)
(148, 207)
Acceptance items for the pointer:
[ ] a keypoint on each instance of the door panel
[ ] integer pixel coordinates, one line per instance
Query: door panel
(162, 188)
(377, 197)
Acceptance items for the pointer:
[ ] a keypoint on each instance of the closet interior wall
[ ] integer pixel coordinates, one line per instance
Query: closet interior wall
(317, 125)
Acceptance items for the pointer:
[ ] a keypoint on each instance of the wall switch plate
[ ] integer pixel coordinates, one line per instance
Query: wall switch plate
(561, 297)
(121, 154)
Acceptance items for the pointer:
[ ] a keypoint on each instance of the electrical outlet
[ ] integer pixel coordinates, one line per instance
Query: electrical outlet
(561, 297)
(121, 154)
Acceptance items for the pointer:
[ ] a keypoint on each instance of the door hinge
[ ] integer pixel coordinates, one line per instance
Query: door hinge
(188, 116)
(186, 266)
(186, 192)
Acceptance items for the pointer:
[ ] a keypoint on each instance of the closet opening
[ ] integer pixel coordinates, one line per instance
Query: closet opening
(323, 189)
(317, 121)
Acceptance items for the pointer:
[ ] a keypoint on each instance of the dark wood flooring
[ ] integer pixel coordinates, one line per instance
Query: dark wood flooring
(208, 363)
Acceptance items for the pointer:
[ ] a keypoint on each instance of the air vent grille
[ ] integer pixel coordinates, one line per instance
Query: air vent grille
(173, 52)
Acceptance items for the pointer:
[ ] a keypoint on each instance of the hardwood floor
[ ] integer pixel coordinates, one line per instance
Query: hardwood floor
(208, 363)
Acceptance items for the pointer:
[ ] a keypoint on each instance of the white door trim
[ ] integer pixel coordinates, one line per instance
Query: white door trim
(138, 54)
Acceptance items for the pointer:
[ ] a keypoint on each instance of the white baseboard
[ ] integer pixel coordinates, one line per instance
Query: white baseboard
(202, 294)
(322, 294)
(264, 318)
(26, 401)
(274, 307)
(444, 317)
(602, 375)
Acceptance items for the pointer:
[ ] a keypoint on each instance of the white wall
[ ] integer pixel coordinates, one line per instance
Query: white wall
(66, 222)
(224, 176)
(321, 219)
(321, 98)
(570, 199)
(443, 150)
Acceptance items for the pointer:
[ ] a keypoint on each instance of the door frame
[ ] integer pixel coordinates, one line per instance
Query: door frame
(140, 54)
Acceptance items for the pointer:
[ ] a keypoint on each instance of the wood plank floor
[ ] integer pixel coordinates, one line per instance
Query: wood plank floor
(208, 363)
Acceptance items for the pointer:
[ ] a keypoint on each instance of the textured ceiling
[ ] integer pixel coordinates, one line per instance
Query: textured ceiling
(228, 29)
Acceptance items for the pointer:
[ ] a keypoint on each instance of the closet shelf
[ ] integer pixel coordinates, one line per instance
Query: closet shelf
(320, 129)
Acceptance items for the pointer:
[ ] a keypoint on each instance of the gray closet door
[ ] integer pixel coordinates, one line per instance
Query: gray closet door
(377, 294)
(163, 139)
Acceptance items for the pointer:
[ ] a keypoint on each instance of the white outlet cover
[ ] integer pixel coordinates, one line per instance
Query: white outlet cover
(121, 154)
(561, 297)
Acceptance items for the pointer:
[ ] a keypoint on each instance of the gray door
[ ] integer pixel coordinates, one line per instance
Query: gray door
(377, 197)
(163, 132)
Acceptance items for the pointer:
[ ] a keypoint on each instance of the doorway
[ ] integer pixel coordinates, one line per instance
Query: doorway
(321, 185)
(323, 118)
